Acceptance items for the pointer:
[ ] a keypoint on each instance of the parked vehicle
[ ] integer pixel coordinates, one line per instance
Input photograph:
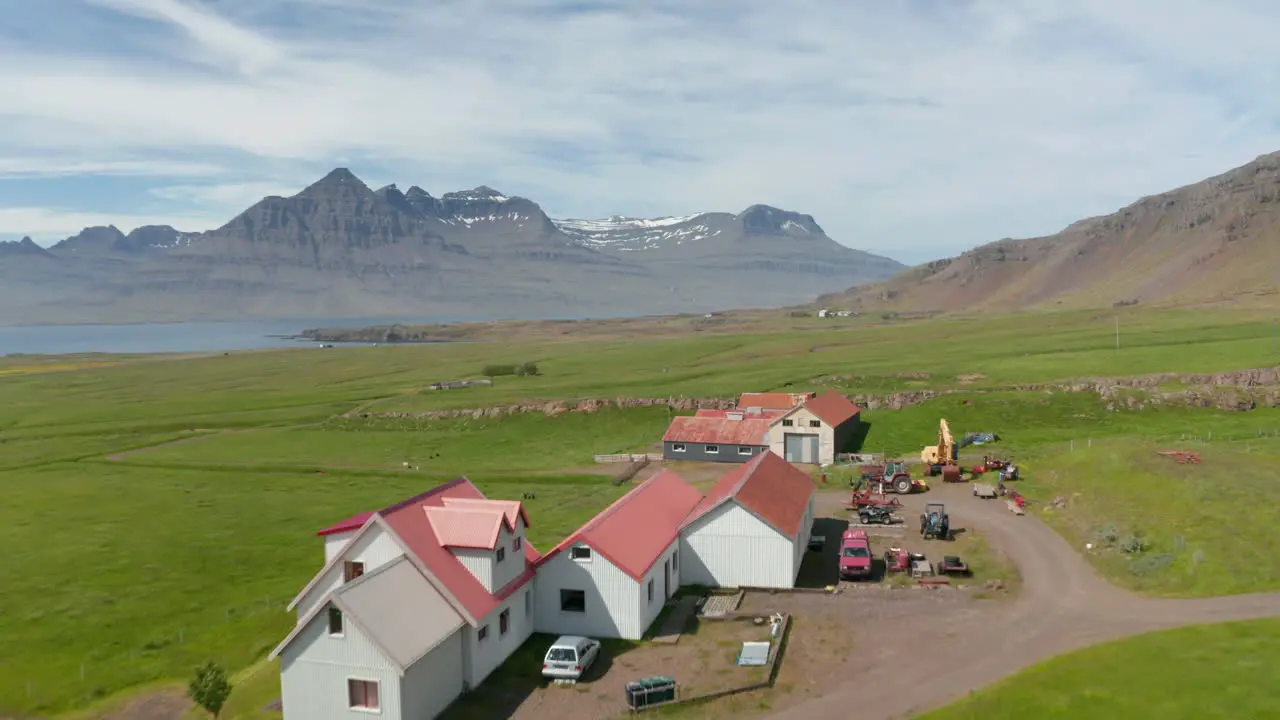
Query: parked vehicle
(894, 476)
(934, 522)
(877, 515)
(953, 565)
(855, 555)
(985, 490)
(569, 657)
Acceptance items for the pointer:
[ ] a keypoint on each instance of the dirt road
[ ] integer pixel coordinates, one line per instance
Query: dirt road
(1063, 606)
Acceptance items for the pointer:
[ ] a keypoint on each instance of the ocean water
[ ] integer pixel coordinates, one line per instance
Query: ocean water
(175, 337)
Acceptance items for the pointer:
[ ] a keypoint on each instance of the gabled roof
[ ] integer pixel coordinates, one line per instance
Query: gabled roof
(748, 431)
(772, 401)
(833, 408)
(462, 522)
(396, 607)
(408, 524)
(355, 522)
(634, 531)
(770, 487)
(745, 413)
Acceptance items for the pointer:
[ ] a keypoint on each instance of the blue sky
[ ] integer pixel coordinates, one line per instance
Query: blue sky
(914, 128)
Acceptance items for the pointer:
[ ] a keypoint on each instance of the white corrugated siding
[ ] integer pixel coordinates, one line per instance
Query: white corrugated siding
(486, 655)
(433, 682)
(613, 598)
(374, 549)
(482, 563)
(802, 543)
(479, 562)
(649, 610)
(335, 542)
(730, 547)
(315, 667)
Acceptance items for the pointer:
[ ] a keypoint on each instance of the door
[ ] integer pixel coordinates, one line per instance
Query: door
(666, 579)
(812, 454)
(793, 447)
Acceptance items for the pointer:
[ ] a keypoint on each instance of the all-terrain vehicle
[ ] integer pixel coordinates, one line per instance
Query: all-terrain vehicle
(934, 522)
(877, 515)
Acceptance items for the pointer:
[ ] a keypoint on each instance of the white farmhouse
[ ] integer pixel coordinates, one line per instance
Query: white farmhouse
(612, 577)
(752, 529)
(416, 603)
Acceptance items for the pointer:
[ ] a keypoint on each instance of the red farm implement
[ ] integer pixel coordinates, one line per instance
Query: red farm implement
(1183, 457)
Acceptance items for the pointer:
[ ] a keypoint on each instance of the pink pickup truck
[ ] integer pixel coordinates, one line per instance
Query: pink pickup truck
(855, 555)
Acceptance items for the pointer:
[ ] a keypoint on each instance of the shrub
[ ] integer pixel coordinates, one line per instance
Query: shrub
(210, 687)
(497, 370)
(527, 368)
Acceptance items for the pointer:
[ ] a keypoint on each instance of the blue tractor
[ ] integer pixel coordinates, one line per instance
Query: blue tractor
(934, 522)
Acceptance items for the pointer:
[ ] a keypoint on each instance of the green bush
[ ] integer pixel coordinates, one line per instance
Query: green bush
(497, 370)
(527, 368)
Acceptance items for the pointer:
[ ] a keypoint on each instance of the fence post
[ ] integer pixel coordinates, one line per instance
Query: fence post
(1073, 444)
(1090, 442)
(182, 636)
(81, 672)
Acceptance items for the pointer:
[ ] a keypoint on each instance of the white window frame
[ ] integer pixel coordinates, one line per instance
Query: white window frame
(584, 601)
(342, 622)
(815, 423)
(504, 618)
(744, 449)
(482, 634)
(500, 555)
(711, 449)
(361, 708)
(677, 447)
(573, 554)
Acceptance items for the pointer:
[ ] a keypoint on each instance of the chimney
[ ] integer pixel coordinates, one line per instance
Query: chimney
(733, 415)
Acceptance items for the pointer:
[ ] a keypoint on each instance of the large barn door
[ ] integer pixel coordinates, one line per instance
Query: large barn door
(813, 448)
(793, 447)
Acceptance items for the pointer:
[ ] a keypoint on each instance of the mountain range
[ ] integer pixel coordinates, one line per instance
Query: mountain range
(340, 249)
(1216, 240)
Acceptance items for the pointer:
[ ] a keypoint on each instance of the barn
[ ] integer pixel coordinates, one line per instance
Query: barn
(717, 436)
(612, 577)
(752, 529)
(815, 431)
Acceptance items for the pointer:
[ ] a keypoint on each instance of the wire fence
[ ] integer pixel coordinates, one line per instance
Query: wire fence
(230, 636)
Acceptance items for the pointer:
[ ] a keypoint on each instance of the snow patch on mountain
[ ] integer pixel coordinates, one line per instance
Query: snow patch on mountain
(628, 234)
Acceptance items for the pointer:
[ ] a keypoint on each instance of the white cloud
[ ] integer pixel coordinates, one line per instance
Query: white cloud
(53, 167)
(944, 125)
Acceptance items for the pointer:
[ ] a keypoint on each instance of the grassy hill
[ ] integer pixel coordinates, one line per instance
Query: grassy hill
(1214, 240)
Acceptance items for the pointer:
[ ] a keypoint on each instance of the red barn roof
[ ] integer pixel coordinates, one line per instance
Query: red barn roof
(633, 532)
(833, 408)
(723, 431)
(743, 414)
(411, 521)
(769, 486)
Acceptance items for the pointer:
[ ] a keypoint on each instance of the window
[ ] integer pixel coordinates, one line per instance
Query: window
(677, 447)
(573, 601)
(744, 450)
(515, 545)
(815, 423)
(581, 553)
(362, 694)
(713, 449)
(788, 423)
(335, 621)
(352, 570)
(675, 564)
(484, 632)
(650, 590)
(502, 552)
(528, 603)
(504, 622)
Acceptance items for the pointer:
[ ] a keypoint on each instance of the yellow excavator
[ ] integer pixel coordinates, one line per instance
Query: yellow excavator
(944, 458)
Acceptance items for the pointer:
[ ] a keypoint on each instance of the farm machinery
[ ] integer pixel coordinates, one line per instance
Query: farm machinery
(893, 476)
(935, 523)
(944, 458)
(1007, 470)
(868, 494)
(878, 515)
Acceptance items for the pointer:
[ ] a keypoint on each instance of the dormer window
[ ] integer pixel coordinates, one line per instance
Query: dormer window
(502, 553)
(351, 570)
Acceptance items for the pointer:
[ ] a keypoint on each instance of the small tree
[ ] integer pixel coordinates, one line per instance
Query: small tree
(210, 687)
(527, 368)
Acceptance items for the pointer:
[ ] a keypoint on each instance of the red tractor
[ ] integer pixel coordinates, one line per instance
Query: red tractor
(893, 476)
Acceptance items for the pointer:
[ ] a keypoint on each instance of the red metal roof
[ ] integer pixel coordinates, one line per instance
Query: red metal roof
(753, 413)
(355, 522)
(833, 408)
(772, 401)
(633, 532)
(410, 520)
(748, 431)
(768, 486)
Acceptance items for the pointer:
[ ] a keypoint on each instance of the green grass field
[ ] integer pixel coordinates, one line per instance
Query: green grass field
(1207, 671)
(161, 511)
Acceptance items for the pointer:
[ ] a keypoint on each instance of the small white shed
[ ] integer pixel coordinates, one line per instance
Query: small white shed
(752, 529)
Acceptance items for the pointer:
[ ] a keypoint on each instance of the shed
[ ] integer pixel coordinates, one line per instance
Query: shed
(752, 529)
(725, 436)
(816, 431)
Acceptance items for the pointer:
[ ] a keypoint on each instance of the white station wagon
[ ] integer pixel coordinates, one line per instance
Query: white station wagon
(569, 657)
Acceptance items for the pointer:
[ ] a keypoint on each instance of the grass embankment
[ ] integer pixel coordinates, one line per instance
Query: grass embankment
(141, 567)
(1207, 671)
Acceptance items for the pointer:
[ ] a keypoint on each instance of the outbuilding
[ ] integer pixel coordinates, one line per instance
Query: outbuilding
(717, 436)
(815, 431)
(752, 529)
